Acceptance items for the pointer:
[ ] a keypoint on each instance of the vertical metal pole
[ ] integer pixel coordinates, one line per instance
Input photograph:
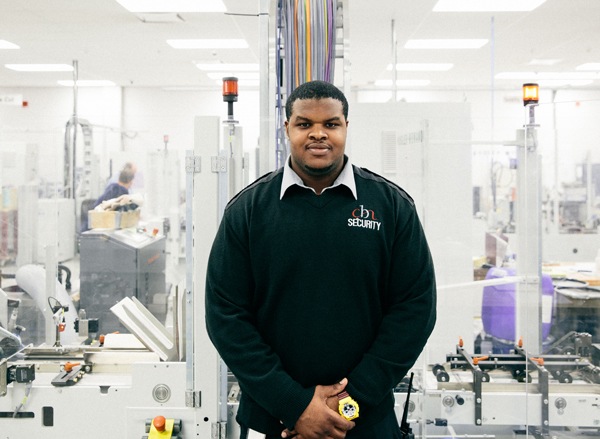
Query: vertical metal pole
(344, 7)
(51, 264)
(492, 115)
(189, 276)
(75, 79)
(589, 190)
(395, 58)
(235, 157)
(208, 386)
(555, 220)
(529, 255)
(74, 128)
(266, 140)
(492, 74)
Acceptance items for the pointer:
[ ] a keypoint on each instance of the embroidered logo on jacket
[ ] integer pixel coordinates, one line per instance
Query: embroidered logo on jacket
(365, 218)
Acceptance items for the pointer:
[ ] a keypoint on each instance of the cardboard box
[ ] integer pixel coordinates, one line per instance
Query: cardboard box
(112, 219)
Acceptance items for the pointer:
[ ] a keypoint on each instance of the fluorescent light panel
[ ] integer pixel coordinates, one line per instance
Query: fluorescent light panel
(40, 67)
(88, 83)
(8, 45)
(486, 5)
(173, 5)
(445, 43)
(422, 67)
(222, 67)
(209, 44)
(590, 66)
(402, 82)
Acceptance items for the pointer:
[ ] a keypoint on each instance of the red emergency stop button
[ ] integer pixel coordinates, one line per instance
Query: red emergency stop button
(159, 423)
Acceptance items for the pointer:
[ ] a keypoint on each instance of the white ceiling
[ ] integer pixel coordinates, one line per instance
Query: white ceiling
(111, 43)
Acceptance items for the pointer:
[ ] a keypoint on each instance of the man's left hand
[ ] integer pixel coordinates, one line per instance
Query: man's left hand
(321, 419)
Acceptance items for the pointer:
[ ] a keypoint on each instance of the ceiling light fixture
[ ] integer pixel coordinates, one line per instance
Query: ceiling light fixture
(88, 83)
(40, 67)
(589, 67)
(208, 43)
(422, 67)
(486, 5)
(446, 43)
(8, 45)
(173, 5)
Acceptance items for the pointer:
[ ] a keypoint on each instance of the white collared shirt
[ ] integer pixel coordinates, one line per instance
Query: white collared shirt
(290, 178)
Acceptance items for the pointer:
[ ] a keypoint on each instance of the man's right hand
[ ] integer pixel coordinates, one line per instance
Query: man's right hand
(321, 420)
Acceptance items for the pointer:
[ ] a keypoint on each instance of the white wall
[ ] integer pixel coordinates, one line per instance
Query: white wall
(43, 122)
(132, 121)
(127, 122)
(568, 133)
(146, 114)
(150, 113)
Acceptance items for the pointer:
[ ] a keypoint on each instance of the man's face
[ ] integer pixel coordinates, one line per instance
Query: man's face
(317, 131)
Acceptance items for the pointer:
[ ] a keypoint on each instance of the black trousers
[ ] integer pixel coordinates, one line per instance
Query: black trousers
(387, 428)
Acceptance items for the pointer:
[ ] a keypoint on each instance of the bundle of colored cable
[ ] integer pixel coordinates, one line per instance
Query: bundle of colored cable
(308, 40)
(306, 32)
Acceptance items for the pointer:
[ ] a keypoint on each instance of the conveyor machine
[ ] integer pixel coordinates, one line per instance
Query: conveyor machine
(550, 395)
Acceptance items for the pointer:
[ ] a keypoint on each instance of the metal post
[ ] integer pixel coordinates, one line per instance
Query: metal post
(344, 11)
(529, 255)
(395, 60)
(190, 169)
(51, 272)
(266, 139)
(233, 152)
(74, 128)
(206, 384)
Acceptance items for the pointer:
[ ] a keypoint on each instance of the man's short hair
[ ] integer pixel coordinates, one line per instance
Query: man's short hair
(315, 90)
(126, 175)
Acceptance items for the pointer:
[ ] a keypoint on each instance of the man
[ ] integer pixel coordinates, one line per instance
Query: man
(121, 187)
(320, 285)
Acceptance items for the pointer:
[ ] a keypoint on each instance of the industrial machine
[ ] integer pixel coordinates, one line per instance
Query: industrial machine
(554, 394)
(130, 370)
(133, 362)
(117, 264)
